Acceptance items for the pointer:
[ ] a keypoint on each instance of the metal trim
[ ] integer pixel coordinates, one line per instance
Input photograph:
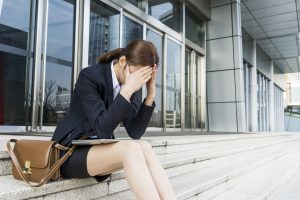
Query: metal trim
(37, 63)
(133, 18)
(14, 50)
(29, 63)
(44, 60)
(164, 81)
(154, 30)
(192, 45)
(85, 34)
(121, 27)
(112, 4)
(77, 38)
(182, 71)
(141, 15)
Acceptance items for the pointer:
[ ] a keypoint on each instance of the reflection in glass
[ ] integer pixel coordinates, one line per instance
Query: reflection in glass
(12, 89)
(194, 28)
(14, 27)
(168, 12)
(104, 30)
(193, 101)
(156, 120)
(247, 94)
(138, 3)
(131, 31)
(59, 60)
(188, 90)
(15, 72)
(200, 121)
(263, 102)
(173, 84)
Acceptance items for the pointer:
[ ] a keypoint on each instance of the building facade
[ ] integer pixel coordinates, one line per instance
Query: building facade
(213, 73)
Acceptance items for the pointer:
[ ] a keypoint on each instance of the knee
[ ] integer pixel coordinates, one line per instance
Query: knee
(145, 145)
(131, 150)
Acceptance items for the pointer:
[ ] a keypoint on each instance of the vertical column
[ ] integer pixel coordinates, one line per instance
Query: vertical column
(225, 82)
(271, 99)
(254, 88)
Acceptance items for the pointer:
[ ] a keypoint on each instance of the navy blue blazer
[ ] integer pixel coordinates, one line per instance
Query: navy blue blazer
(94, 112)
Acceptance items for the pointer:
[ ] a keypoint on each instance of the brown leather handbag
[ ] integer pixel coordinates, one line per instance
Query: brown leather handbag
(37, 161)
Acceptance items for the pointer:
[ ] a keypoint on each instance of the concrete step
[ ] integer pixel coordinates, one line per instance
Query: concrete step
(259, 185)
(204, 168)
(185, 147)
(189, 186)
(290, 189)
(91, 189)
(117, 181)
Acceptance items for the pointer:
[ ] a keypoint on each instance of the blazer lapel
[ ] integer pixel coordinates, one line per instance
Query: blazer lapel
(110, 92)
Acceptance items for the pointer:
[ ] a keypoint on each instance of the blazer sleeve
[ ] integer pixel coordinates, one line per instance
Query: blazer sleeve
(138, 119)
(103, 120)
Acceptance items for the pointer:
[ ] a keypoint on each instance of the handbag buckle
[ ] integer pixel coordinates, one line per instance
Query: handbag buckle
(27, 169)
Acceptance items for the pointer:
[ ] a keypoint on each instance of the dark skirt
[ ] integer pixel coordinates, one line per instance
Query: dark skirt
(76, 166)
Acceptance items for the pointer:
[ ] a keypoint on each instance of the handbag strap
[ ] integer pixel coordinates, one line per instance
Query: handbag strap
(53, 168)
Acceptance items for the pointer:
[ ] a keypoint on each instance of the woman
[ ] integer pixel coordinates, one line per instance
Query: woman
(105, 95)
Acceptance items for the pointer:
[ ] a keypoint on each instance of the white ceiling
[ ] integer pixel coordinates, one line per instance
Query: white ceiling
(275, 26)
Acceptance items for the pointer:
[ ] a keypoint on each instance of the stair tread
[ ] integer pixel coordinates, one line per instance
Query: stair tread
(256, 187)
(12, 185)
(157, 141)
(198, 179)
(205, 175)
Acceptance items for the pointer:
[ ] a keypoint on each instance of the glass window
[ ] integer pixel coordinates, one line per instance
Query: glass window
(104, 30)
(168, 12)
(173, 84)
(131, 30)
(59, 60)
(156, 120)
(15, 61)
(194, 28)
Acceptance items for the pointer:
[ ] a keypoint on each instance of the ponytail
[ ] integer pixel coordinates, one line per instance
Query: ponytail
(109, 56)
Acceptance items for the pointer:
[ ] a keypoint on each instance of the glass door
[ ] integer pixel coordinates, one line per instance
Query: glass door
(194, 88)
(58, 65)
(157, 118)
(200, 87)
(247, 94)
(188, 88)
(173, 85)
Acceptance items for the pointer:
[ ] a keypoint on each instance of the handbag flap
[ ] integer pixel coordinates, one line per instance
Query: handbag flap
(35, 151)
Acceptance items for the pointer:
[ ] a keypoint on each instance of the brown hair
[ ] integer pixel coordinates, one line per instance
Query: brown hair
(137, 52)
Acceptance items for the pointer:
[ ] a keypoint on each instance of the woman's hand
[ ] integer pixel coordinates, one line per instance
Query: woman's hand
(135, 80)
(151, 87)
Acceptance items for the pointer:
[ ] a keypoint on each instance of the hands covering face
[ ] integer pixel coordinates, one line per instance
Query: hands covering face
(135, 80)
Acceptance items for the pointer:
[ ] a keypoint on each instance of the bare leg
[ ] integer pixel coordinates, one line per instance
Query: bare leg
(158, 174)
(105, 158)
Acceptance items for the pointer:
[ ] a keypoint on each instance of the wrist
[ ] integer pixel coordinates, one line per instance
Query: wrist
(126, 93)
(149, 101)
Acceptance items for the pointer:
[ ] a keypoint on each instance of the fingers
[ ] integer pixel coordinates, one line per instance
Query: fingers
(127, 70)
(147, 78)
(144, 73)
(143, 70)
